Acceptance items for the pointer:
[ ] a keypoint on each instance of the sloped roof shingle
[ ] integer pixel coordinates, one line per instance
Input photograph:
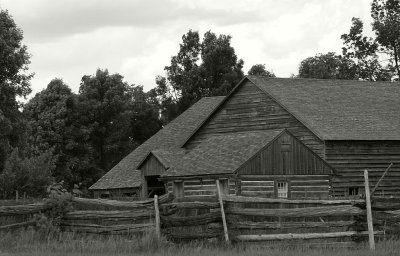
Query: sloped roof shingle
(339, 109)
(172, 136)
(222, 154)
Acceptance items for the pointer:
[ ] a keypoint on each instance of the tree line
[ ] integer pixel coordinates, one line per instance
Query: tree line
(59, 135)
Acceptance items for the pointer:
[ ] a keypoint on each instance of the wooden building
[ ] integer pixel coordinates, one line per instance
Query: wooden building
(277, 137)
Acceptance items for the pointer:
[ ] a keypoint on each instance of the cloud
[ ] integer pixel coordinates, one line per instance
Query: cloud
(54, 19)
(72, 38)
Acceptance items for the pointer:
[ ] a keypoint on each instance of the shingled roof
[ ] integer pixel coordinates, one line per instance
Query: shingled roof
(339, 109)
(222, 154)
(172, 136)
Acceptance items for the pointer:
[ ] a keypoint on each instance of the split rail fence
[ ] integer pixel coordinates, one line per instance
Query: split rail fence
(234, 218)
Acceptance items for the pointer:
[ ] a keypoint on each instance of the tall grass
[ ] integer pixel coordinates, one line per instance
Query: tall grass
(31, 242)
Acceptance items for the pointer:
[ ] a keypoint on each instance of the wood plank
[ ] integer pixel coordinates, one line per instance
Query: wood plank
(221, 205)
(243, 199)
(176, 221)
(288, 225)
(23, 209)
(157, 217)
(371, 238)
(304, 236)
(18, 225)
(340, 210)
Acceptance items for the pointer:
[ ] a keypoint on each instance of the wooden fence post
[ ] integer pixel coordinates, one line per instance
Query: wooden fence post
(369, 212)
(157, 216)
(221, 204)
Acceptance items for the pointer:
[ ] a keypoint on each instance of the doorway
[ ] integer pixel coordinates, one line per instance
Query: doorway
(154, 186)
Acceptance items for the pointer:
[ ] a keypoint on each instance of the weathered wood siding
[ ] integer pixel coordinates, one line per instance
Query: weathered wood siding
(152, 166)
(205, 188)
(285, 156)
(250, 109)
(118, 194)
(351, 158)
(300, 186)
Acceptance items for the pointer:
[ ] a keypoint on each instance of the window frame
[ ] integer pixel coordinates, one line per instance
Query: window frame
(288, 188)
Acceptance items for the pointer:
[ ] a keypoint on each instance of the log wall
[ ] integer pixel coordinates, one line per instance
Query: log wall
(118, 194)
(351, 158)
(205, 188)
(250, 109)
(300, 186)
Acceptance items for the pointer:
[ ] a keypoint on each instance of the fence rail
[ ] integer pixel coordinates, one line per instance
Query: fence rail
(237, 218)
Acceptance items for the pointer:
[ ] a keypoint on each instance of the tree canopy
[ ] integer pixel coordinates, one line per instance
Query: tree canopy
(14, 82)
(260, 70)
(207, 67)
(328, 66)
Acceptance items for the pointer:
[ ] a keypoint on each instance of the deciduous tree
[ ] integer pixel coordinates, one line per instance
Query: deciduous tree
(207, 67)
(260, 70)
(328, 66)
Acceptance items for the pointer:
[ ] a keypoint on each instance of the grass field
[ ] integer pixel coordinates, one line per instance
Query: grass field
(35, 243)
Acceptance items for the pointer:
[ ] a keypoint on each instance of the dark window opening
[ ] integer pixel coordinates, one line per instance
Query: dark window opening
(353, 191)
(105, 195)
(154, 186)
(130, 194)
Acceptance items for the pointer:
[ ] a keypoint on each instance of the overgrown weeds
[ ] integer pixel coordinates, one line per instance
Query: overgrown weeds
(33, 242)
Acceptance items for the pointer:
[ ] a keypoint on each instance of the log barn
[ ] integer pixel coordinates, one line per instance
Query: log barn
(272, 137)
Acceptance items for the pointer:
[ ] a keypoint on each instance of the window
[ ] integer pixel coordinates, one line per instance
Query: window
(282, 189)
(353, 191)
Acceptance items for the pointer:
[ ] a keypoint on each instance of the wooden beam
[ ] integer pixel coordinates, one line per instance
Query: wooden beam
(157, 217)
(23, 209)
(303, 236)
(379, 181)
(122, 204)
(369, 213)
(221, 204)
(336, 210)
(235, 224)
(245, 199)
(18, 225)
(176, 221)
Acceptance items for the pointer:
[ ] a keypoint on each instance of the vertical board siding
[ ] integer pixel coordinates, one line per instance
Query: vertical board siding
(285, 156)
(351, 158)
(152, 166)
(300, 186)
(250, 109)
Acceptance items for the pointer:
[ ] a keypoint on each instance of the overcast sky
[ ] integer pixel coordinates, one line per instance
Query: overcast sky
(72, 38)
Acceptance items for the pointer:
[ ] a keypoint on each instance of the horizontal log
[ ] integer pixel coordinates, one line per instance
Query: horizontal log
(288, 225)
(258, 194)
(340, 210)
(123, 204)
(100, 229)
(190, 205)
(18, 225)
(243, 199)
(205, 198)
(210, 232)
(175, 221)
(257, 189)
(304, 236)
(23, 209)
(291, 177)
(117, 215)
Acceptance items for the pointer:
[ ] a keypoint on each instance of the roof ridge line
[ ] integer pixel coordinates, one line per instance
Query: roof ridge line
(285, 108)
